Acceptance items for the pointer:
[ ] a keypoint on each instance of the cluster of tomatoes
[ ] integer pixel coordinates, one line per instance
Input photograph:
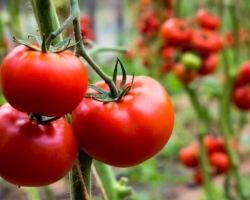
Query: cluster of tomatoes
(38, 146)
(195, 46)
(241, 91)
(217, 156)
(44, 89)
(149, 17)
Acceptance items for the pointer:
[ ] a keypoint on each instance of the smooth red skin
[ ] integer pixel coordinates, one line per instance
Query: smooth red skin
(31, 154)
(243, 77)
(220, 162)
(189, 156)
(209, 64)
(206, 41)
(183, 74)
(129, 132)
(241, 98)
(210, 143)
(47, 83)
(207, 20)
(176, 32)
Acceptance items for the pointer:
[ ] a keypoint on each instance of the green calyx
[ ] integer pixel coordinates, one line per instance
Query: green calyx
(45, 46)
(111, 96)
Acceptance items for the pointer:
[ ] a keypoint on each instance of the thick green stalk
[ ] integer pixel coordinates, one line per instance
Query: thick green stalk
(177, 6)
(235, 23)
(46, 18)
(113, 190)
(82, 52)
(80, 177)
(202, 115)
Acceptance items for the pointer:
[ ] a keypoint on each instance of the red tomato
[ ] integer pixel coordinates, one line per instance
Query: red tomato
(176, 32)
(206, 41)
(198, 177)
(128, 132)
(207, 20)
(220, 162)
(46, 83)
(32, 154)
(167, 52)
(209, 64)
(243, 77)
(210, 143)
(189, 156)
(165, 68)
(241, 98)
(185, 75)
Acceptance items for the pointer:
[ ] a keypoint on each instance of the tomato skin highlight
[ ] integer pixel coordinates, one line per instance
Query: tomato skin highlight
(51, 84)
(32, 154)
(128, 132)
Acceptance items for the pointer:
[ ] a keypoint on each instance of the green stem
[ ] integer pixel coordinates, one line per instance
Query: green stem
(177, 6)
(49, 193)
(227, 187)
(33, 193)
(235, 23)
(226, 129)
(113, 190)
(202, 115)
(46, 18)
(82, 52)
(80, 177)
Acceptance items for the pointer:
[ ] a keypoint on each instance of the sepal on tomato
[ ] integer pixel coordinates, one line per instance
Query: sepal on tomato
(111, 96)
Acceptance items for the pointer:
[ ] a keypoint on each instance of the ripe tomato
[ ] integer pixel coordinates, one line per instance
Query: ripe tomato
(209, 64)
(165, 68)
(185, 75)
(206, 41)
(198, 177)
(128, 132)
(210, 143)
(176, 32)
(189, 156)
(46, 83)
(243, 77)
(241, 98)
(32, 154)
(220, 162)
(207, 20)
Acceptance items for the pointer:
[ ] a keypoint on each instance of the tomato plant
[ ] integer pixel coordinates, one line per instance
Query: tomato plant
(127, 132)
(176, 32)
(51, 84)
(33, 154)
